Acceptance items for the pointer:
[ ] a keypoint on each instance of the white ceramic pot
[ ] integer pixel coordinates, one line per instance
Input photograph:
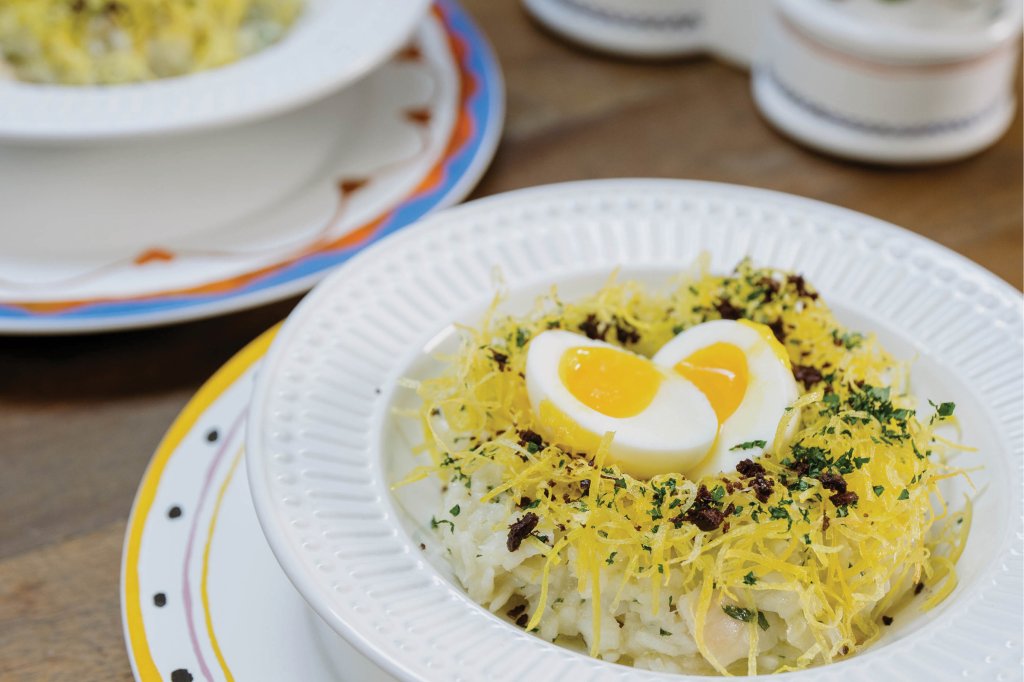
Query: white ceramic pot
(913, 82)
(656, 28)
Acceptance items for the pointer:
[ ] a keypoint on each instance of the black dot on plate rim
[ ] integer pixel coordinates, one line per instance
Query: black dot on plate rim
(212, 435)
(160, 599)
(181, 675)
(174, 512)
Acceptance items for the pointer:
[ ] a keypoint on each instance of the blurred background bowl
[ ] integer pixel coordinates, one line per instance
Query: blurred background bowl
(331, 44)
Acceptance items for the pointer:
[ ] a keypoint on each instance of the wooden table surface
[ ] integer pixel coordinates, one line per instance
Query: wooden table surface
(80, 417)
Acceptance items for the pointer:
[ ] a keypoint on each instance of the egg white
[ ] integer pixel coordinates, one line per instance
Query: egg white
(672, 434)
(771, 389)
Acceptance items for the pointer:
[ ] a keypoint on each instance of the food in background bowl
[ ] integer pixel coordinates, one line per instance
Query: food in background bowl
(718, 479)
(80, 42)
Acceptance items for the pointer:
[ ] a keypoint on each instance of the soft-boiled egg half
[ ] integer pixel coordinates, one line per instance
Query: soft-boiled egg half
(579, 389)
(745, 373)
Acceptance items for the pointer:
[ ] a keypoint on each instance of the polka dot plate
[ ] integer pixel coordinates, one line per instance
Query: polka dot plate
(202, 596)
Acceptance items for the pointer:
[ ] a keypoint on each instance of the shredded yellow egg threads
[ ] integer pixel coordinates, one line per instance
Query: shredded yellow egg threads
(847, 515)
(79, 42)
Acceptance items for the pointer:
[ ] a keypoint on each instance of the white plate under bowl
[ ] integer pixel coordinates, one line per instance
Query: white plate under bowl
(331, 44)
(202, 597)
(324, 445)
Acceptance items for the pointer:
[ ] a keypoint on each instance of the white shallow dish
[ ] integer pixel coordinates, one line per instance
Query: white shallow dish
(332, 43)
(151, 232)
(202, 597)
(324, 446)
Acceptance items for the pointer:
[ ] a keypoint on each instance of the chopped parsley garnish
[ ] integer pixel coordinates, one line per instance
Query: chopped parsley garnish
(781, 513)
(750, 578)
(454, 511)
(879, 489)
(749, 444)
(904, 495)
(663, 632)
(434, 523)
(850, 339)
(762, 621)
(738, 613)
(942, 410)
(611, 558)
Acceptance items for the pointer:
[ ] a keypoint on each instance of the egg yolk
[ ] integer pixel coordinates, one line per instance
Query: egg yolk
(615, 383)
(720, 372)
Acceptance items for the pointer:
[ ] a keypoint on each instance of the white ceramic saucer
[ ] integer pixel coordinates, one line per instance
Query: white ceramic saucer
(202, 596)
(141, 233)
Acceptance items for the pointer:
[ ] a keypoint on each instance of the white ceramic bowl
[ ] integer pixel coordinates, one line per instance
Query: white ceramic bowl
(331, 44)
(324, 445)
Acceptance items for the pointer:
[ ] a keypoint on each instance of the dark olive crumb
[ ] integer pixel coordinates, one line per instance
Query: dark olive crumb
(520, 529)
(423, 546)
(626, 333)
(800, 285)
(522, 620)
(833, 481)
(516, 611)
(728, 311)
(807, 375)
(703, 513)
(749, 467)
(528, 437)
(887, 620)
(706, 519)
(844, 499)
(917, 588)
(593, 328)
(762, 487)
(500, 359)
